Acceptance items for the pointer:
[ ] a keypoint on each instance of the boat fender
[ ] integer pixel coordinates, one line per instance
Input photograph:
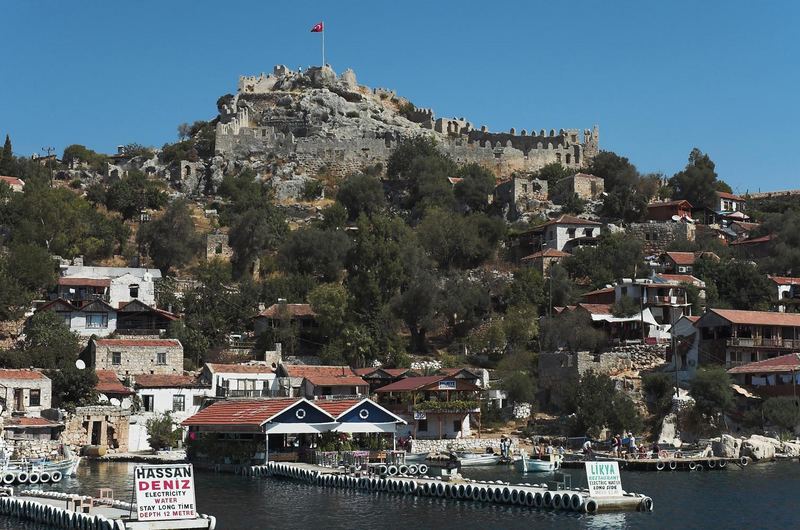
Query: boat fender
(413, 469)
(699, 467)
(403, 469)
(590, 506)
(646, 504)
(660, 466)
(423, 468)
(692, 466)
(426, 489)
(439, 489)
(475, 494)
(383, 469)
(743, 461)
(483, 493)
(514, 496)
(406, 487)
(22, 477)
(505, 495)
(576, 502)
(711, 463)
(392, 470)
(673, 465)
(556, 502)
(723, 463)
(467, 491)
(547, 499)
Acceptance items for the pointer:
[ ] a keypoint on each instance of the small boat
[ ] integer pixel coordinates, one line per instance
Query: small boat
(534, 465)
(416, 458)
(478, 459)
(42, 471)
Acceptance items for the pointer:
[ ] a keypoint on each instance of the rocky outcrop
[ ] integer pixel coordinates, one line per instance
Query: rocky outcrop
(726, 446)
(760, 447)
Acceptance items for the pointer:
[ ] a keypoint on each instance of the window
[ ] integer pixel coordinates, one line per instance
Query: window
(524, 188)
(456, 426)
(35, 398)
(147, 403)
(588, 232)
(161, 358)
(116, 358)
(197, 401)
(570, 232)
(178, 403)
(422, 425)
(133, 289)
(97, 320)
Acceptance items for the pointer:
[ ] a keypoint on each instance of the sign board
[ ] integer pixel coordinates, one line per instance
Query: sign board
(604, 479)
(447, 385)
(420, 416)
(165, 492)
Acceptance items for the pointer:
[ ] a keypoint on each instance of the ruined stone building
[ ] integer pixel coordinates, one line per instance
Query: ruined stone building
(328, 123)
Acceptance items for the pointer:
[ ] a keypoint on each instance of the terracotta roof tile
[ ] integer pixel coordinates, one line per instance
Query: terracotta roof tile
(29, 422)
(731, 196)
(246, 412)
(784, 280)
(84, 282)
(310, 370)
(411, 384)
(295, 310)
(326, 380)
(12, 181)
(758, 318)
(679, 202)
(784, 363)
(755, 240)
(108, 383)
(9, 373)
(682, 278)
(548, 253)
(165, 381)
(681, 258)
(596, 309)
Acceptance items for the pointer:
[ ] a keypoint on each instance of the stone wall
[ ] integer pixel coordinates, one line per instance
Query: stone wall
(656, 237)
(217, 246)
(587, 187)
(31, 449)
(112, 430)
(461, 444)
(139, 356)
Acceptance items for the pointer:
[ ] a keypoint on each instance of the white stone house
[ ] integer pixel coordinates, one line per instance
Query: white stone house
(24, 391)
(253, 379)
(94, 318)
(786, 288)
(567, 232)
(115, 285)
(137, 356)
(728, 202)
(180, 395)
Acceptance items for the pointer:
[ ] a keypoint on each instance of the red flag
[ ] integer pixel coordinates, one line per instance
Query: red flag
(319, 27)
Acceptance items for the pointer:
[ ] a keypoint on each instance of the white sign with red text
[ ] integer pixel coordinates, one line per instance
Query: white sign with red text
(165, 492)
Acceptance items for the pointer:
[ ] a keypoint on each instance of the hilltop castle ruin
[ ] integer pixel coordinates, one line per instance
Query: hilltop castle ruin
(324, 122)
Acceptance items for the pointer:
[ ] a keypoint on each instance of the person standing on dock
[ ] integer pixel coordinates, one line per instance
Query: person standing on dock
(587, 448)
(631, 444)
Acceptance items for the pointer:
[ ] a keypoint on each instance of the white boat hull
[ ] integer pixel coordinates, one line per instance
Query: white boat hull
(527, 465)
(479, 460)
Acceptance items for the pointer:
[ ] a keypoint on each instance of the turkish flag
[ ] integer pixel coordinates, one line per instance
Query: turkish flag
(319, 27)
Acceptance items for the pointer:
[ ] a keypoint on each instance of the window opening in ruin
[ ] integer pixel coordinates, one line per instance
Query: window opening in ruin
(35, 397)
(178, 403)
(456, 426)
(218, 249)
(569, 159)
(116, 358)
(422, 425)
(558, 157)
(593, 184)
(161, 358)
(187, 171)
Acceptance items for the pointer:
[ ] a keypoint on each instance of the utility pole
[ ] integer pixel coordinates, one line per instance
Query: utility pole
(48, 151)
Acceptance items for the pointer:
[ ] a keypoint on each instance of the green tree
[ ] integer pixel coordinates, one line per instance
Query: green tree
(361, 193)
(33, 267)
(615, 170)
(573, 204)
(711, 390)
(7, 158)
(73, 387)
(464, 303)
(625, 307)
(697, 183)
(783, 412)
(403, 156)
(527, 287)
(659, 387)
(428, 184)
(315, 252)
(163, 432)
(456, 241)
(597, 404)
(171, 240)
(736, 284)
(255, 232)
(517, 373)
(615, 256)
(49, 343)
(79, 153)
(330, 302)
(416, 305)
(14, 298)
(571, 330)
(134, 193)
(477, 186)
(553, 173)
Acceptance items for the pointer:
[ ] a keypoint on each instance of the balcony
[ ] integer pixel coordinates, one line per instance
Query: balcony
(756, 342)
(665, 300)
(249, 393)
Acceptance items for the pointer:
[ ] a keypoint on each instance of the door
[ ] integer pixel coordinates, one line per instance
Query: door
(19, 404)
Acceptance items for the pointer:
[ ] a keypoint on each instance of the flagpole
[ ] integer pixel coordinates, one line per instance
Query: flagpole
(323, 43)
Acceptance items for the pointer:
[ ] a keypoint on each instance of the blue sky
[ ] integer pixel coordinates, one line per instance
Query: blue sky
(658, 77)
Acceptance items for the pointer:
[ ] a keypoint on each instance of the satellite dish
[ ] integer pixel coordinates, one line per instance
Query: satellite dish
(79, 364)
(676, 217)
(115, 402)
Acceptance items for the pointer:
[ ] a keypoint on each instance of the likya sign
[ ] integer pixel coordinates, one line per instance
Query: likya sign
(165, 492)
(604, 479)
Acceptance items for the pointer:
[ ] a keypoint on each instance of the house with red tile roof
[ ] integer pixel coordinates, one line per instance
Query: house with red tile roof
(253, 379)
(734, 337)
(787, 289)
(544, 259)
(16, 184)
(379, 377)
(134, 356)
(669, 210)
(682, 262)
(302, 316)
(239, 429)
(312, 380)
(180, 395)
(435, 406)
(729, 203)
(776, 376)
(24, 391)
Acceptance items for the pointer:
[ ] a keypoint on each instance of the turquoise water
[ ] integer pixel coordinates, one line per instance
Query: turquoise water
(759, 496)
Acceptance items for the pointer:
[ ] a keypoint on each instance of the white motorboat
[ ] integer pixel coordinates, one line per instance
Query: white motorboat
(416, 458)
(478, 459)
(534, 465)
